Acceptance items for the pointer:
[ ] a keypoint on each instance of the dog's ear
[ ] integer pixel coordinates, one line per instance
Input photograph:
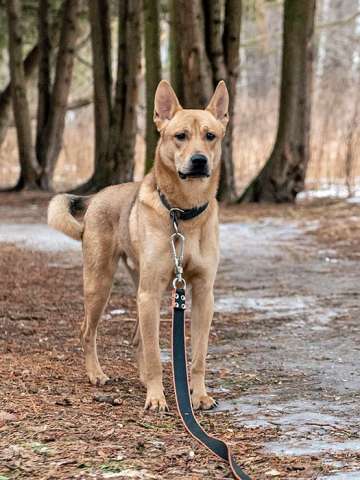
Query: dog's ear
(166, 104)
(219, 104)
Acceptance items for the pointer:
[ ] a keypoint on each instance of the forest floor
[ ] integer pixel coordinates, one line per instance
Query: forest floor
(283, 358)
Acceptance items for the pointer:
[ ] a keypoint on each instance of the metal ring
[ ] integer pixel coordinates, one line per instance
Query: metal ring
(175, 209)
(179, 280)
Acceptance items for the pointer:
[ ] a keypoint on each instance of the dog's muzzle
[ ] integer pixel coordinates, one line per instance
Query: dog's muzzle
(198, 167)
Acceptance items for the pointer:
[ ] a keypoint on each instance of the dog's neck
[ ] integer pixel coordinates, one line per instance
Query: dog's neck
(184, 193)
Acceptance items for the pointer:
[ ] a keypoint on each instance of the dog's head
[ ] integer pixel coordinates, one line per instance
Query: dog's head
(190, 143)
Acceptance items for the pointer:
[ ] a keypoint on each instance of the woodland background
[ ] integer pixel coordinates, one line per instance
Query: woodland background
(84, 75)
(77, 82)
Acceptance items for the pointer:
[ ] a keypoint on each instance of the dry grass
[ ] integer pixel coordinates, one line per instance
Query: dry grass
(334, 143)
(75, 164)
(335, 138)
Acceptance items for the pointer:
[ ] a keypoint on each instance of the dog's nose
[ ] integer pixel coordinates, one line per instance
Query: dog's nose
(198, 160)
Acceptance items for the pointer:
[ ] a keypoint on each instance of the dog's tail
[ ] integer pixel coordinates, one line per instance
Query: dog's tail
(65, 213)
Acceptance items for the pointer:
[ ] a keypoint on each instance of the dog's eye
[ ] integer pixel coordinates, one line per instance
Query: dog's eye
(180, 136)
(210, 136)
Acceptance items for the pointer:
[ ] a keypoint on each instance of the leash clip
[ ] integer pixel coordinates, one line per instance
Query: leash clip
(177, 244)
(175, 215)
(178, 239)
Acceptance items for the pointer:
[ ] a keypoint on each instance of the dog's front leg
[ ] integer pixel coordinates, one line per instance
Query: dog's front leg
(201, 317)
(149, 295)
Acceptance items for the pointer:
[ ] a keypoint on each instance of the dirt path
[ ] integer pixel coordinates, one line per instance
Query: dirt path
(283, 360)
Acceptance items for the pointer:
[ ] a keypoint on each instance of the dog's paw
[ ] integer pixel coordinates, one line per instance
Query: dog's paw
(203, 402)
(156, 403)
(98, 378)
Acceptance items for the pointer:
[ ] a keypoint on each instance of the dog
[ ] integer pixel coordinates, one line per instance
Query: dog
(130, 221)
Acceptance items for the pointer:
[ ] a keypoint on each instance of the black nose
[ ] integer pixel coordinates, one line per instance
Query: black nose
(198, 160)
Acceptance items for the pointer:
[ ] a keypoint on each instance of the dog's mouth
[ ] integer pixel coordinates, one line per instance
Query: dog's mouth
(194, 174)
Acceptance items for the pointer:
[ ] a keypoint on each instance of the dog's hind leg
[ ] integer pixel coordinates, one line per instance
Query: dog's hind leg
(100, 264)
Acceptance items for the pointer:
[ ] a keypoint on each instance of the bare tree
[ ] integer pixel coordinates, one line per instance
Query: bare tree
(209, 53)
(175, 52)
(283, 176)
(30, 65)
(196, 69)
(29, 168)
(223, 44)
(44, 76)
(115, 120)
(152, 74)
(124, 125)
(53, 105)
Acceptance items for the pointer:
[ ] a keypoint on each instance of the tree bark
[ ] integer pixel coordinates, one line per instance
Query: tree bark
(222, 40)
(52, 134)
(231, 45)
(44, 77)
(124, 126)
(209, 53)
(197, 77)
(176, 67)
(152, 74)
(101, 60)
(283, 176)
(214, 26)
(115, 122)
(30, 169)
(30, 65)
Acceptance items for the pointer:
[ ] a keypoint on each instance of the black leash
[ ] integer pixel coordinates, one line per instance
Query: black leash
(182, 394)
(180, 375)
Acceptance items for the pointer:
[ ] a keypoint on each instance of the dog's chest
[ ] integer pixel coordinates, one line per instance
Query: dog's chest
(200, 251)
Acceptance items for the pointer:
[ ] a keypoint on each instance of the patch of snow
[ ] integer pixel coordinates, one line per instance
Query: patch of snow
(342, 476)
(313, 448)
(129, 473)
(274, 306)
(37, 237)
(332, 191)
(118, 311)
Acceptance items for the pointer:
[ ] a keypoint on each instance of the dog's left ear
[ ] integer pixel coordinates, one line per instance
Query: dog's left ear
(219, 104)
(166, 104)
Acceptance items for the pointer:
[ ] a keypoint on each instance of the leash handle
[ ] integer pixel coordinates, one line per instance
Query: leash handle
(181, 387)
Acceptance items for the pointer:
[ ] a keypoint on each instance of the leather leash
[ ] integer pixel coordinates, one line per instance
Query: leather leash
(180, 374)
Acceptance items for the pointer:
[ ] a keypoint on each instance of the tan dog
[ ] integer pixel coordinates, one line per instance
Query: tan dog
(129, 221)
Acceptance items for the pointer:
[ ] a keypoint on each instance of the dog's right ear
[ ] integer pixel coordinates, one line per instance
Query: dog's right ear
(166, 104)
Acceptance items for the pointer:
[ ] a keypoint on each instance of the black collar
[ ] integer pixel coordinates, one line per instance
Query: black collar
(182, 213)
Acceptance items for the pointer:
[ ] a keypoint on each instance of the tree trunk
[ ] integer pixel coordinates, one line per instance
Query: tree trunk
(44, 77)
(176, 68)
(209, 53)
(231, 45)
(152, 74)
(124, 126)
(115, 125)
(99, 16)
(30, 169)
(52, 134)
(222, 40)
(30, 64)
(214, 26)
(197, 77)
(283, 176)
